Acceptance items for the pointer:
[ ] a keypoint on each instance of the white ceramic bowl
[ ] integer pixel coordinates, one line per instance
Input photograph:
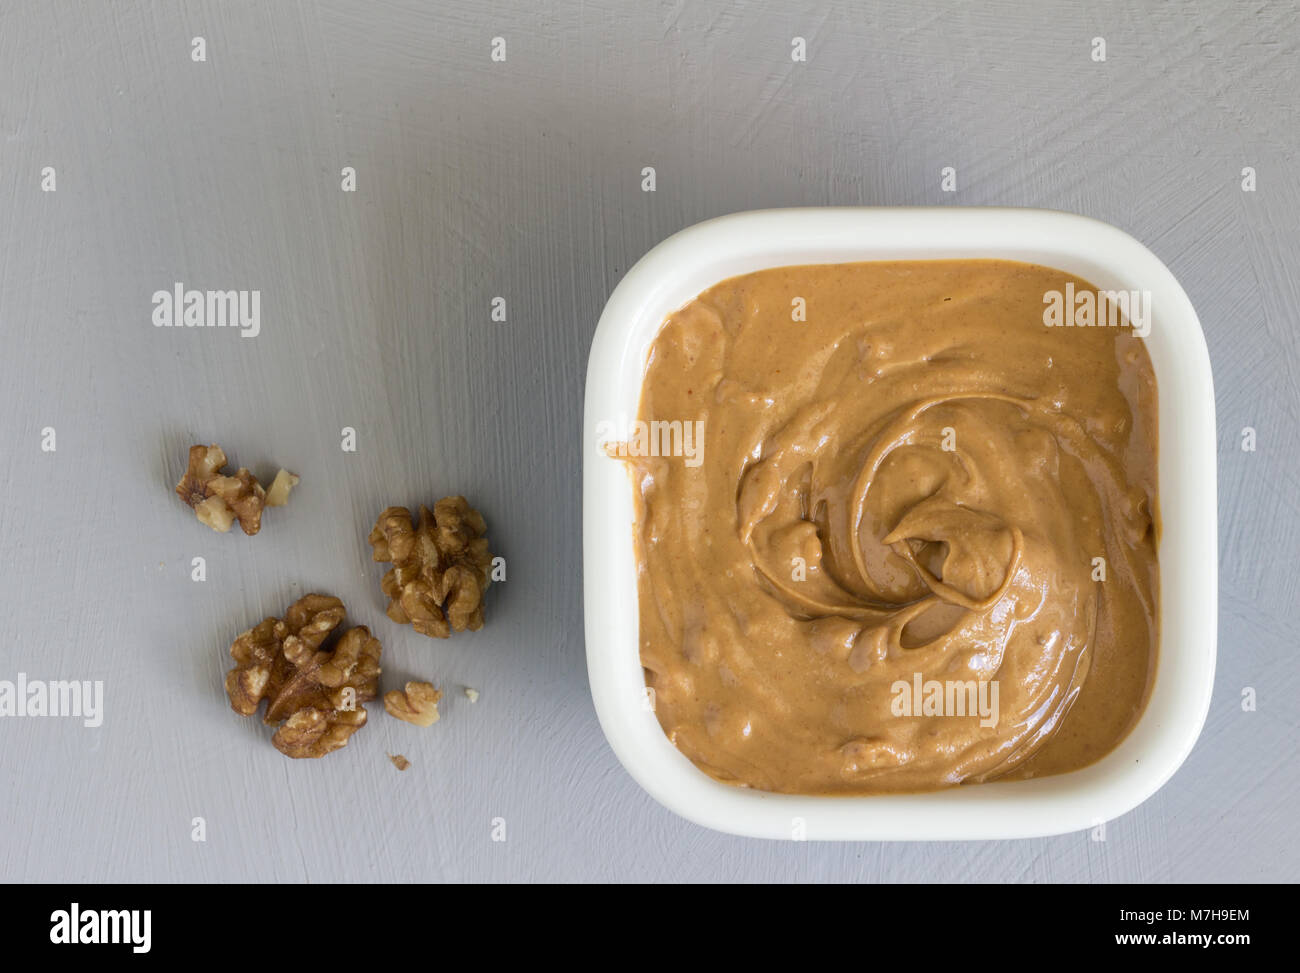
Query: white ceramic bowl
(694, 259)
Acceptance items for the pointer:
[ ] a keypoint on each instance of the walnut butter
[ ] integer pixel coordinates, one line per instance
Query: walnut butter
(896, 525)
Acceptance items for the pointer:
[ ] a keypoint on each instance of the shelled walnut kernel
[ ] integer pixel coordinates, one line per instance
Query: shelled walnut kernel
(440, 566)
(313, 694)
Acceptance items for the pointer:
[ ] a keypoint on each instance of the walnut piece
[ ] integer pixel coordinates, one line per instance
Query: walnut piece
(277, 494)
(417, 704)
(440, 567)
(400, 762)
(314, 695)
(219, 499)
(215, 513)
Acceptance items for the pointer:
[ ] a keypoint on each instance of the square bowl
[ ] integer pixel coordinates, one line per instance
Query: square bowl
(689, 262)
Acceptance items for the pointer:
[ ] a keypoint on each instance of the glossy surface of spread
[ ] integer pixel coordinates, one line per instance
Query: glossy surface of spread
(893, 532)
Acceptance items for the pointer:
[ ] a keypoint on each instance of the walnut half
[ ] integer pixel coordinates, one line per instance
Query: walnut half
(313, 694)
(440, 566)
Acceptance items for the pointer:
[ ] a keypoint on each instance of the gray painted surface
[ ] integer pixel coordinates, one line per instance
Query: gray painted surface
(522, 179)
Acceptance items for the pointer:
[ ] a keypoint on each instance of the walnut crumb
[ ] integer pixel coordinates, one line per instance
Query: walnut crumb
(417, 704)
(277, 494)
(471, 694)
(440, 566)
(400, 762)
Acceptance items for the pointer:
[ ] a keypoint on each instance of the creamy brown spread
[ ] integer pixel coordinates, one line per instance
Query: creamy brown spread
(903, 482)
